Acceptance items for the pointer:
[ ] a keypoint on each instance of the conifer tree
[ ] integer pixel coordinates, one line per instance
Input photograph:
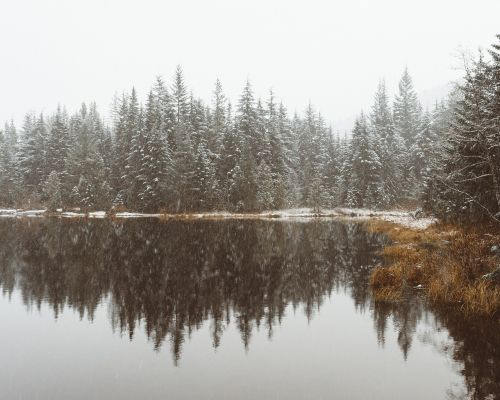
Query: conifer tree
(407, 111)
(58, 143)
(364, 167)
(388, 146)
(52, 191)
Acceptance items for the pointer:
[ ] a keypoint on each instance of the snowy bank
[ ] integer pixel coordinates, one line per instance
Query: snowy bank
(405, 218)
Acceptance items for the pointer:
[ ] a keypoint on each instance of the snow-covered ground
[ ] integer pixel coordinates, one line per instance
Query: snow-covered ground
(405, 218)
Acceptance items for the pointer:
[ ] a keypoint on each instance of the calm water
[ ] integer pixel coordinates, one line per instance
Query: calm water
(221, 310)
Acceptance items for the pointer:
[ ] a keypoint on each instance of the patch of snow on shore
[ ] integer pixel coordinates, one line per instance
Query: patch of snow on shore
(404, 218)
(135, 215)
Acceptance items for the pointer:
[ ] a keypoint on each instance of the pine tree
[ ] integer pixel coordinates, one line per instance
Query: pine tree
(423, 151)
(467, 188)
(121, 147)
(250, 146)
(407, 111)
(364, 167)
(31, 156)
(345, 160)
(218, 120)
(179, 97)
(155, 161)
(206, 187)
(8, 176)
(228, 164)
(58, 143)
(85, 166)
(266, 187)
(389, 148)
(52, 191)
(135, 132)
(246, 122)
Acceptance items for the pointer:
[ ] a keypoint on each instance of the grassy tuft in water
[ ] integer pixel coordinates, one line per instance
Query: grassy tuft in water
(446, 263)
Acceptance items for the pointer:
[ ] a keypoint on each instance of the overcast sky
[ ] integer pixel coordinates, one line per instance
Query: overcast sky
(331, 53)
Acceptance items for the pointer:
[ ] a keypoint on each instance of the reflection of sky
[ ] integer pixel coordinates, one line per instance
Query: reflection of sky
(334, 355)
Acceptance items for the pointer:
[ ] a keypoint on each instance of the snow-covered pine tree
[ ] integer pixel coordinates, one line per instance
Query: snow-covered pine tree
(58, 143)
(8, 173)
(31, 158)
(290, 158)
(344, 162)
(228, 163)
(4, 157)
(422, 152)
(306, 132)
(121, 149)
(179, 97)
(51, 191)
(492, 134)
(155, 162)
(134, 124)
(249, 145)
(364, 167)
(218, 120)
(466, 189)
(266, 187)
(407, 111)
(85, 166)
(275, 156)
(389, 147)
(331, 173)
(206, 187)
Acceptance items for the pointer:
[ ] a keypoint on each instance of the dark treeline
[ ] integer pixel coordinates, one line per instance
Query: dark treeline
(175, 153)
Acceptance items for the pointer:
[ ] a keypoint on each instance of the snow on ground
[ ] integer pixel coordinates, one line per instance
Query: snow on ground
(97, 214)
(410, 221)
(71, 214)
(7, 212)
(405, 218)
(135, 215)
(30, 213)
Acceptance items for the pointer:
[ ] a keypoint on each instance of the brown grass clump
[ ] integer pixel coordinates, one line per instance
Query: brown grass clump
(445, 262)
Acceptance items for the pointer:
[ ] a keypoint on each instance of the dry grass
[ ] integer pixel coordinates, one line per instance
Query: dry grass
(444, 262)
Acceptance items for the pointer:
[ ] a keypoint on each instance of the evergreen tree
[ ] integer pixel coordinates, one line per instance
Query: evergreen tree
(52, 191)
(364, 167)
(389, 148)
(179, 97)
(85, 166)
(407, 111)
(31, 156)
(58, 143)
(218, 120)
(8, 176)
(468, 190)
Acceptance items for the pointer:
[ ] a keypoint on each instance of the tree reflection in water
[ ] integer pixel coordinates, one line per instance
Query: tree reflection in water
(172, 276)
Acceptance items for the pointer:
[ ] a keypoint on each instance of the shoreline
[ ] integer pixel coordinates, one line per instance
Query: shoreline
(401, 217)
(446, 264)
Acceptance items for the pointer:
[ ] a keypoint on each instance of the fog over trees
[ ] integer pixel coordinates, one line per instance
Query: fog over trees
(172, 152)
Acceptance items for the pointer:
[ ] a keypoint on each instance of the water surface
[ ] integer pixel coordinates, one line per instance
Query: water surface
(100, 309)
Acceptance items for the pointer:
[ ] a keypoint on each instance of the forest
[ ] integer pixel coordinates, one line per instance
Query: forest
(174, 153)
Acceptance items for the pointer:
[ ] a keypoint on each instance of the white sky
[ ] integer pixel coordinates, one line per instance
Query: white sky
(332, 53)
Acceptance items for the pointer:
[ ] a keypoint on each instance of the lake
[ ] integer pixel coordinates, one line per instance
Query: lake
(228, 309)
